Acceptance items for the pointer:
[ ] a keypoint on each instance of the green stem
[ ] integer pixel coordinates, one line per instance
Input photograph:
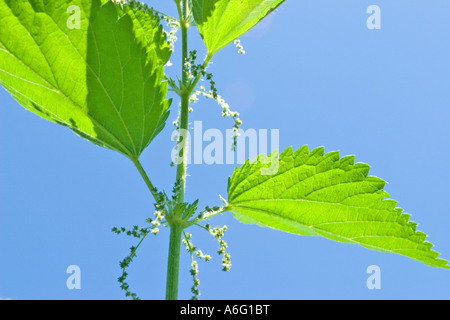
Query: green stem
(184, 109)
(173, 265)
(176, 228)
(144, 175)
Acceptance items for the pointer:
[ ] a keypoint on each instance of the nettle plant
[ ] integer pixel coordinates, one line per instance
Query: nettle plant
(97, 67)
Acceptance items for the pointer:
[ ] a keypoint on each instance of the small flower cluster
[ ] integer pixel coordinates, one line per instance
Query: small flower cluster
(171, 37)
(194, 264)
(226, 111)
(239, 46)
(191, 66)
(212, 85)
(139, 233)
(199, 70)
(218, 233)
(208, 212)
(124, 264)
(135, 232)
(203, 256)
(159, 214)
(177, 188)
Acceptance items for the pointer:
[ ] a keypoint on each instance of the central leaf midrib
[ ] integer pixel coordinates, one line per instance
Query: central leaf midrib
(115, 107)
(314, 226)
(243, 203)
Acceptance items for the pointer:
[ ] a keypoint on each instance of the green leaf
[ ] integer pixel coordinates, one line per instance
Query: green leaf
(317, 194)
(222, 21)
(103, 78)
(147, 29)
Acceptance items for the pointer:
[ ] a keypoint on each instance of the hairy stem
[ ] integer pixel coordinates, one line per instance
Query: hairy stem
(176, 229)
(173, 265)
(184, 110)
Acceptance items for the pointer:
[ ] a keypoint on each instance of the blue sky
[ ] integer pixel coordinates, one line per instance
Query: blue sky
(312, 70)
